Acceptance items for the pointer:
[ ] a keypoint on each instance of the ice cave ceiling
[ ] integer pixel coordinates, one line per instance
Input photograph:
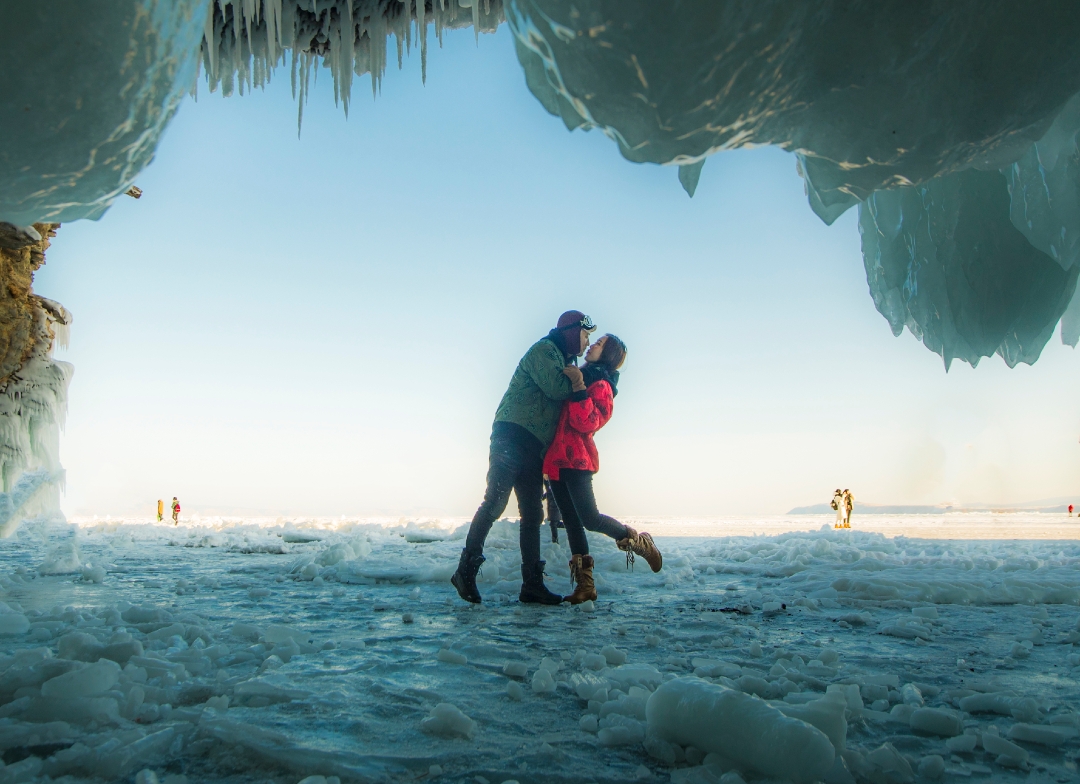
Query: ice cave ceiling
(952, 127)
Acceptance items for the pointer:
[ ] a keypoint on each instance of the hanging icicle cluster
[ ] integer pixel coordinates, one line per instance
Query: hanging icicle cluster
(245, 40)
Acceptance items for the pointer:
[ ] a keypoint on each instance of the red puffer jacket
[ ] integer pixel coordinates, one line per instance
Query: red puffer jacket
(581, 416)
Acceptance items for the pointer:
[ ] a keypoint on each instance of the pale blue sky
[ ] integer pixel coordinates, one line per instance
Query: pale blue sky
(325, 325)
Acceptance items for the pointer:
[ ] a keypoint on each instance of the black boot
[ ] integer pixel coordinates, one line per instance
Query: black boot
(464, 578)
(533, 590)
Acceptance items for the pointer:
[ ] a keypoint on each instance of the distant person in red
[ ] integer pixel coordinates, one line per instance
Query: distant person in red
(175, 511)
(1070, 510)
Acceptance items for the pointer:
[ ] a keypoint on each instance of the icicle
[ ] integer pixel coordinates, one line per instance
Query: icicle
(421, 28)
(348, 53)
(250, 12)
(210, 42)
(245, 40)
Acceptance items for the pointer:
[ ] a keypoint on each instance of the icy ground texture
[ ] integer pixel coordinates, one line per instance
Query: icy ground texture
(969, 187)
(261, 651)
(87, 93)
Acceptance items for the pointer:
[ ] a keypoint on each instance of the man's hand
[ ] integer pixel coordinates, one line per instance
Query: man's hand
(577, 382)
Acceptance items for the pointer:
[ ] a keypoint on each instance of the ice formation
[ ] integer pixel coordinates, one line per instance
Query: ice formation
(202, 652)
(33, 385)
(88, 91)
(245, 40)
(967, 187)
(954, 131)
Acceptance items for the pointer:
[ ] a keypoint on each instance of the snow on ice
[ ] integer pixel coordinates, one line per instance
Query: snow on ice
(212, 652)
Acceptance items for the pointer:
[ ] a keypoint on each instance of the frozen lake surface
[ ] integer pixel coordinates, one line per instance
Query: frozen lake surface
(258, 650)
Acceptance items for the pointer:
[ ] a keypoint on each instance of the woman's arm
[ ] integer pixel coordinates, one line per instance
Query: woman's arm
(591, 414)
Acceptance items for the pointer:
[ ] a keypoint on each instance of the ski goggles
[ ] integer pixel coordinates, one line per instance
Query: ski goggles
(586, 324)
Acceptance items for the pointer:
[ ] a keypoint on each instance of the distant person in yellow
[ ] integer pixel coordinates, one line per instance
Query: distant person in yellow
(838, 505)
(849, 504)
(160, 510)
(175, 511)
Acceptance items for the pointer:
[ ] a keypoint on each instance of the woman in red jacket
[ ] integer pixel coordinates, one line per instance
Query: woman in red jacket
(571, 461)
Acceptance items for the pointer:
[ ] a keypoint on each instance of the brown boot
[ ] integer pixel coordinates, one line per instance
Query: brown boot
(640, 544)
(581, 567)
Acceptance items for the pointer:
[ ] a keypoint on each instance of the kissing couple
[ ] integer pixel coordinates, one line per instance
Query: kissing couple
(544, 426)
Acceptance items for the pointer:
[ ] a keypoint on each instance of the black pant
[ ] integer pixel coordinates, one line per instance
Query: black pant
(516, 462)
(574, 494)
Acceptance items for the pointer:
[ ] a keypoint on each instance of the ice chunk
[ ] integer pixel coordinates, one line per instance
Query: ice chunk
(84, 682)
(267, 691)
(887, 759)
(987, 703)
(936, 721)
(962, 744)
(1041, 734)
(446, 720)
(587, 686)
(594, 661)
(827, 714)
(1001, 747)
(93, 574)
(276, 633)
(542, 682)
(515, 691)
(451, 657)
(636, 675)
(246, 631)
(549, 664)
(515, 669)
(627, 734)
(145, 614)
(613, 655)
(13, 623)
(931, 766)
(850, 694)
(755, 735)
(62, 559)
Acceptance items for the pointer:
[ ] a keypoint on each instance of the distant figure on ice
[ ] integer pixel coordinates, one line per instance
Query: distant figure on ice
(160, 510)
(849, 504)
(175, 511)
(554, 516)
(572, 459)
(1070, 510)
(524, 426)
(838, 505)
